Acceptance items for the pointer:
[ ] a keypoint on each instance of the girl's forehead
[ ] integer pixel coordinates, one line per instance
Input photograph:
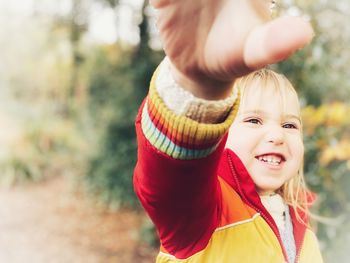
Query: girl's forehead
(270, 99)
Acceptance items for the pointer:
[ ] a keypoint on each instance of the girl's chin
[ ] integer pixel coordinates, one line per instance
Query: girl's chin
(267, 189)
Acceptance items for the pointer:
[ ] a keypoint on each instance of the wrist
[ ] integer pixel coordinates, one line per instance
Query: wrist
(203, 87)
(182, 102)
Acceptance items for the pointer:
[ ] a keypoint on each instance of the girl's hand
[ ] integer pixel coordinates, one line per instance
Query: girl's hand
(212, 42)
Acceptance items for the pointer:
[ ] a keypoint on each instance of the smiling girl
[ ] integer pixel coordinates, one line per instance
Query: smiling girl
(220, 156)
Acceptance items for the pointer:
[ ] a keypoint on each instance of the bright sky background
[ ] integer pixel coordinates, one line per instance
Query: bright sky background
(24, 39)
(102, 20)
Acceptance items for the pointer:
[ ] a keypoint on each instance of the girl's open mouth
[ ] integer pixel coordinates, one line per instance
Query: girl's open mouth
(271, 158)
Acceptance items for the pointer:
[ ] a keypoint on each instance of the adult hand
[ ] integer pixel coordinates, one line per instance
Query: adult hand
(212, 42)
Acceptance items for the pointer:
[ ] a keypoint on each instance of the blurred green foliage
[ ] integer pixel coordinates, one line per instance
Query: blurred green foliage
(115, 93)
(47, 148)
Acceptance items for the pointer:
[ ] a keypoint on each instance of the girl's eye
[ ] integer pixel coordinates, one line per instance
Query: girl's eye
(290, 126)
(254, 121)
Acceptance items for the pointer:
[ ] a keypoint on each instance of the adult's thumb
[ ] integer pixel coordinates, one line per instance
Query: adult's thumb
(276, 40)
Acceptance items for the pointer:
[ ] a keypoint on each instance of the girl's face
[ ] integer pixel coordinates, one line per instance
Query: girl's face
(266, 136)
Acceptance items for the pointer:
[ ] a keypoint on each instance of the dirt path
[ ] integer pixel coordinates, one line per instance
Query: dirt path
(47, 222)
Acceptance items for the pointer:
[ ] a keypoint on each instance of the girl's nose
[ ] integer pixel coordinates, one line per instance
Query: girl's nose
(275, 135)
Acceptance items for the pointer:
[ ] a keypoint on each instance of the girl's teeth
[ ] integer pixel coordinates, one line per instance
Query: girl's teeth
(274, 160)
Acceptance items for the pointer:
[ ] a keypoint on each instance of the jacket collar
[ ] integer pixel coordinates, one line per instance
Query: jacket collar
(233, 171)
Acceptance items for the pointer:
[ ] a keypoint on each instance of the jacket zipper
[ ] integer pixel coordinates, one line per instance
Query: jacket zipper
(260, 212)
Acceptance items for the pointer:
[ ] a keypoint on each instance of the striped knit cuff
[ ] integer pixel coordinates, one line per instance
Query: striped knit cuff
(178, 136)
(183, 102)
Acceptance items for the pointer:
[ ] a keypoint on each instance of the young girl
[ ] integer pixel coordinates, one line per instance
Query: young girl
(216, 196)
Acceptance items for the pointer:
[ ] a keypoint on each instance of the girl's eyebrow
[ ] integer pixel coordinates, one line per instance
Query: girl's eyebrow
(264, 113)
(292, 116)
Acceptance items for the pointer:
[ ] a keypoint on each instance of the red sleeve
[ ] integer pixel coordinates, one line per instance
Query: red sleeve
(176, 174)
(180, 196)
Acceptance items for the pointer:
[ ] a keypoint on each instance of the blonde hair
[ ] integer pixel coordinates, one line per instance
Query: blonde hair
(294, 192)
